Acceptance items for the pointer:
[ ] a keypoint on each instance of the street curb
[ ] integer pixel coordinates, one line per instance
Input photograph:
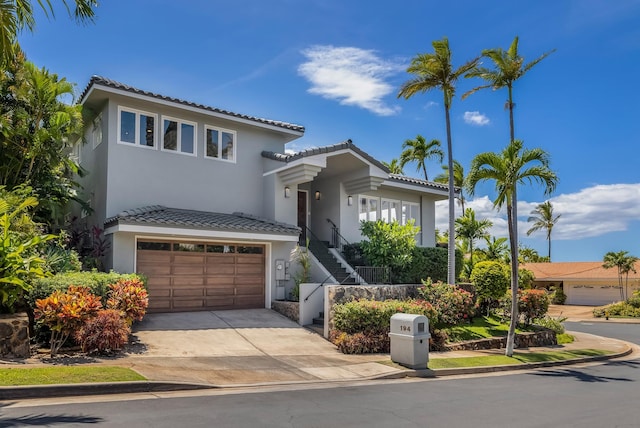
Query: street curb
(69, 390)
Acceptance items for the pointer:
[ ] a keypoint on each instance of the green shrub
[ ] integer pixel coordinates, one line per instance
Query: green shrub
(554, 324)
(620, 309)
(360, 343)
(97, 282)
(353, 254)
(363, 316)
(106, 332)
(429, 262)
(491, 282)
(389, 244)
(532, 304)
(525, 278)
(452, 304)
(557, 296)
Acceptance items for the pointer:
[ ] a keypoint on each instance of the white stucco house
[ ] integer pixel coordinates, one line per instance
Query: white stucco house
(208, 206)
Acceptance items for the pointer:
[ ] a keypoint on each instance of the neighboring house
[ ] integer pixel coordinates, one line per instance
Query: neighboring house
(208, 206)
(584, 283)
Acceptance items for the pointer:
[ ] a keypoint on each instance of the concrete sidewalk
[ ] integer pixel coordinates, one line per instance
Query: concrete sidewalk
(261, 347)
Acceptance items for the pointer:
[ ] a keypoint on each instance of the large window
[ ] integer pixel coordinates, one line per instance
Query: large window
(371, 208)
(137, 128)
(220, 144)
(178, 136)
(410, 211)
(390, 210)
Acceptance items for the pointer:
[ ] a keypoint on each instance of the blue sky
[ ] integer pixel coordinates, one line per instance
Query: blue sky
(335, 67)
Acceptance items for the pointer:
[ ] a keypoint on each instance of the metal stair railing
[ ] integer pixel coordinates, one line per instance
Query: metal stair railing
(337, 241)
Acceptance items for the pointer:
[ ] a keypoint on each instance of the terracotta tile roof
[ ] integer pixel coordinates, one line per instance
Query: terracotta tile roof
(575, 270)
(157, 215)
(349, 145)
(99, 80)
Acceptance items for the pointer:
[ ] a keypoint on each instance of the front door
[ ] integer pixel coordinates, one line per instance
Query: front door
(302, 216)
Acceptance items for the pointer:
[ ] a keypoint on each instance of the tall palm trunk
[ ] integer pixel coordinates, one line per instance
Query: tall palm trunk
(549, 239)
(512, 220)
(451, 271)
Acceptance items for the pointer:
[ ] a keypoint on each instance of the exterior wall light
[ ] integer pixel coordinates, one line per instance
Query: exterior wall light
(349, 200)
(287, 192)
(317, 195)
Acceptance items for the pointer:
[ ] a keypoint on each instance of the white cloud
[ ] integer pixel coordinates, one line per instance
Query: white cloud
(350, 75)
(476, 118)
(293, 148)
(590, 212)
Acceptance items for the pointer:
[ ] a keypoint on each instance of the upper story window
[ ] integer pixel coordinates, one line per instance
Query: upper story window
(96, 132)
(368, 208)
(220, 144)
(390, 210)
(410, 211)
(137, 127)
(178, 136)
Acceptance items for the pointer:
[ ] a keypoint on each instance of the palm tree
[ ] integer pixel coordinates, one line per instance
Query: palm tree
(435, 71)
(394, 166)
(513, 166)
(496, 249)
(508, 68)
(419, 151)
(471, 229)
(624, 263)
(458, 179)
(542, 218)
(18, 15)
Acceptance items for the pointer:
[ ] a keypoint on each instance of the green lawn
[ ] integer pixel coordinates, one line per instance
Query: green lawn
(62, 375)
(518, 358)
(481, 328)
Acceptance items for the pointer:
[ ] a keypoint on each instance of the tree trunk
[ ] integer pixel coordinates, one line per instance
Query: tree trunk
(512, 217)
(451, 251)
(424, 168)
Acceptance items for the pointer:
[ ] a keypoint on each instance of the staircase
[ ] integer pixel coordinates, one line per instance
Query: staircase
(320, 250)
(318, 324)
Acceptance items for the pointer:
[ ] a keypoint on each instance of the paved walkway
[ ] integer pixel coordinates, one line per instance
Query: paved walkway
(257, 347)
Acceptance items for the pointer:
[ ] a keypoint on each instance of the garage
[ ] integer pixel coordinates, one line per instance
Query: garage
(198, 276)
(592, 295)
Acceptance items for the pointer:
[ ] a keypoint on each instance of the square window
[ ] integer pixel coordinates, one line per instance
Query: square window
(135, 128)
(220, 144)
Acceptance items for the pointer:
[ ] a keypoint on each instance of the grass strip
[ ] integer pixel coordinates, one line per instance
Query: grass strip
(66, 375)
(518, 358)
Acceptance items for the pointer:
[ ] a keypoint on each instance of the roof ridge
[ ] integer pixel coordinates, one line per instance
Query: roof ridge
(100, 80)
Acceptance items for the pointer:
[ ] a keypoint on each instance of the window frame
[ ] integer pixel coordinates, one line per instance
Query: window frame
(220, 130)
(96, 131)
(398, 203)
(137, 114)
(417, 219)
(180, 122)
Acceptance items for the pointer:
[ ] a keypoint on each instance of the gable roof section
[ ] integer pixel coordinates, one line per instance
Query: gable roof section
(348, 145)
(158, 215)
(102, 81)
(557, 271)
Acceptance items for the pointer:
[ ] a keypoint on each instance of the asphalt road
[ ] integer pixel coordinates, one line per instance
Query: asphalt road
(595, 395)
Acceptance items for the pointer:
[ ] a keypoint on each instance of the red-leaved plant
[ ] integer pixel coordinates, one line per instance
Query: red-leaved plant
(106, 332)
(130, 298)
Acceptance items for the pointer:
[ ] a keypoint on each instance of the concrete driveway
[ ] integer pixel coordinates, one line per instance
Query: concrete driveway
(241, 347)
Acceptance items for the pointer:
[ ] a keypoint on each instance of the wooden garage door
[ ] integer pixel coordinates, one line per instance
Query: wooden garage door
(185, 276)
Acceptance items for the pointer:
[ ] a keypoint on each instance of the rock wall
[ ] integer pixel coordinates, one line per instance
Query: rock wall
(522, 340)
(290, 310)
(14, 336)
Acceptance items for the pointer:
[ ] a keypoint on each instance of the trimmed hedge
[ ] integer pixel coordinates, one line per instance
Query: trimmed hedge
(97, 282)
(429, 262)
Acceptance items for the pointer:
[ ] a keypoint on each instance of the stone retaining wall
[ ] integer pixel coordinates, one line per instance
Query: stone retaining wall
(543, 337)
(14, 336)
(290, 310)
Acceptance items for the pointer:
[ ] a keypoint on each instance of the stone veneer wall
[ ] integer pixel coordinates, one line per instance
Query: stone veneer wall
(290, 310)
(543, 337)
(337, 294)
(14, 336)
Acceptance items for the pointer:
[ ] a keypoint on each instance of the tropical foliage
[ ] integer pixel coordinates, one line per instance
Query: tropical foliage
(434, 71)
(394, 166)
(37, 132)
(491, 283)
(389, 244)
(543, 219)
(458, 179)
(471, 229)
(625, 264)
(419, 151)
(452, 304)
(18, 15)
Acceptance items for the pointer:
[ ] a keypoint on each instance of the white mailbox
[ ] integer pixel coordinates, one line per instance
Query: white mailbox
(409, 336)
